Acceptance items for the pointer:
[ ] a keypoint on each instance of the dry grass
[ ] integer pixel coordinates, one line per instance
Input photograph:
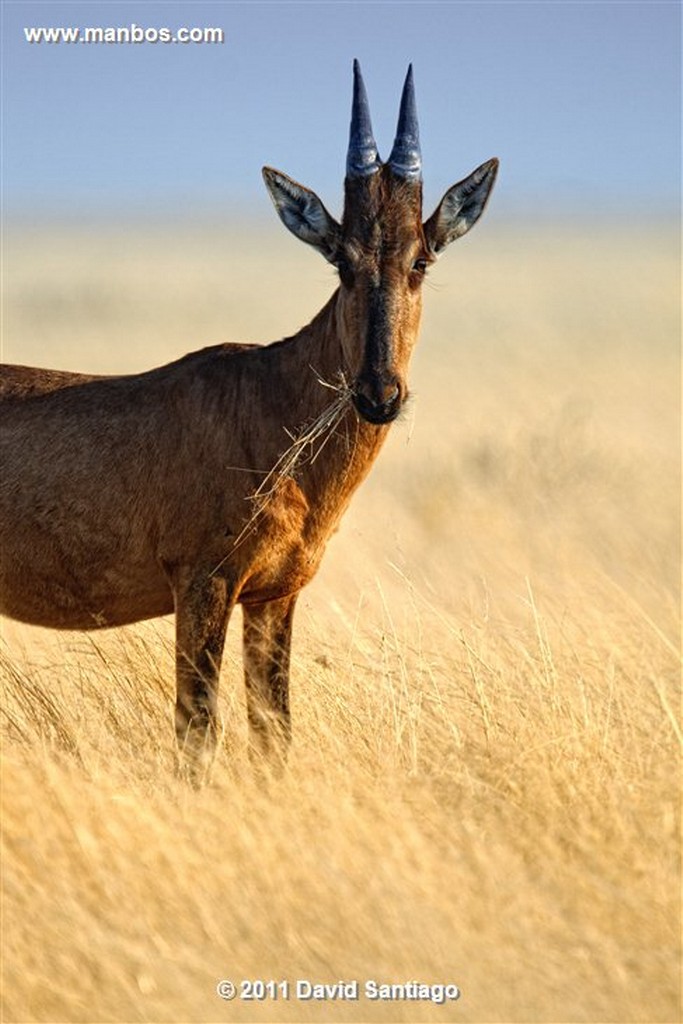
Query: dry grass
(484, 783)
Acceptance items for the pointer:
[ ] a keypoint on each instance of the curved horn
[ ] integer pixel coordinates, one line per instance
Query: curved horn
(362, 158)
(405, 159)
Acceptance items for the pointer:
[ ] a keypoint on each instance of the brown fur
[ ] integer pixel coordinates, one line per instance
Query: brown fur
(124, 498)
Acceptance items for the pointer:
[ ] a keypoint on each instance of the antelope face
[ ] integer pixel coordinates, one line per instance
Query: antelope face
(381, 249)
(382, 259)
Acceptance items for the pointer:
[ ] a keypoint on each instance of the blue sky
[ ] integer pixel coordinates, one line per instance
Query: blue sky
(581, 102)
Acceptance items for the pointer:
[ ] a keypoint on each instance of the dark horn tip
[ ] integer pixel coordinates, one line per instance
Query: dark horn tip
(362, 158)
(405, 159)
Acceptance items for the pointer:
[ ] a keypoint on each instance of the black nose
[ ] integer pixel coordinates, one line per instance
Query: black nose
(378, 404)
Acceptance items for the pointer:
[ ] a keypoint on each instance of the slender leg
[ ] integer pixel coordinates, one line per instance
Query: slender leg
(203, 606)
(267, 644)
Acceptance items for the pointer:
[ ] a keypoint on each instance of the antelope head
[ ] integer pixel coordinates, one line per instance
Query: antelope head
(382, 249)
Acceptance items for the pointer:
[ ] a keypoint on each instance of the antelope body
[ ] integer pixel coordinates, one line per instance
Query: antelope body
(124, 498)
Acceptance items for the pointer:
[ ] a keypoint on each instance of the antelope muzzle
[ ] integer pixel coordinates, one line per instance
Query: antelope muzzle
(378, 400)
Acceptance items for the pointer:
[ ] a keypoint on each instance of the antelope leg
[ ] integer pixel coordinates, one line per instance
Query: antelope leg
(267, 645)
(203, 606)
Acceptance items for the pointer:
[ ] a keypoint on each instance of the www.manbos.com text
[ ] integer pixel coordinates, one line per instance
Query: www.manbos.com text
(122, 34)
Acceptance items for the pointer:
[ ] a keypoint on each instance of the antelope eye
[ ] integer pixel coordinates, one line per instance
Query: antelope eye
(420, 266)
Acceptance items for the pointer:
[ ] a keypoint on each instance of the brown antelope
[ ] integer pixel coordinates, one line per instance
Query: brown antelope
(218, 479)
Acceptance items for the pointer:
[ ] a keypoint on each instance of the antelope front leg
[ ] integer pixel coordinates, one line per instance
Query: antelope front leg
(267, 644)
(203, 606)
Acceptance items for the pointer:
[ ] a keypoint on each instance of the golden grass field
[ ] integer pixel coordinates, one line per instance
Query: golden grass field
(484, 784)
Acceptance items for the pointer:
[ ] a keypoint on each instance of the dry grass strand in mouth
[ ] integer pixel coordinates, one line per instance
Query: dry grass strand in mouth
(305, 448)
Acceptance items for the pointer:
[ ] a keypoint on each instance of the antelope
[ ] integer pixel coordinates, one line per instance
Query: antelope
(217, 479)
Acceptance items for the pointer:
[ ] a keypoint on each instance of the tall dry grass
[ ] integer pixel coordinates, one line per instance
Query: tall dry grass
(483, 788)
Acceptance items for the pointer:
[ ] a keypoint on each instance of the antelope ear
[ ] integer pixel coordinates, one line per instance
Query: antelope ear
(302, 212)
(461, 207)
